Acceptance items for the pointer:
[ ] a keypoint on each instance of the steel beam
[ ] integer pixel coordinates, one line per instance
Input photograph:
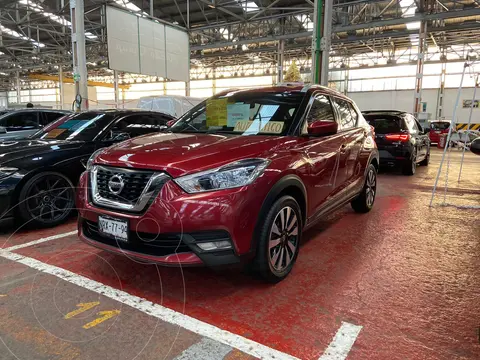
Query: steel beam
(280, 61)
(422, 47)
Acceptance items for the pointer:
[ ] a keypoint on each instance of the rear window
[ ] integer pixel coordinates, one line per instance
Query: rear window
(385, 124)
(439, 125)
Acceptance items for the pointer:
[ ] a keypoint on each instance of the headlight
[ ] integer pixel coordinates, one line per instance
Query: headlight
(6, 171)
(91, 159)
(233, 175)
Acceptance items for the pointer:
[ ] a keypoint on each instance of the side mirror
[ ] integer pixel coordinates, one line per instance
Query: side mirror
(322, 127)
(3, 130)
(171, 122)
(475, 146)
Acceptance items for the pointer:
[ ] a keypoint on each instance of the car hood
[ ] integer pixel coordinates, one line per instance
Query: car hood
(11, 150)
(180, 154)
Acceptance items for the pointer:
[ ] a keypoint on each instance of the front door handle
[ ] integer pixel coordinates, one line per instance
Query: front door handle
(343, 148)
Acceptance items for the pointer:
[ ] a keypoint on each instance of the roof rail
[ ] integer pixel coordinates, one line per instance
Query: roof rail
(384, 110)
(291, 83)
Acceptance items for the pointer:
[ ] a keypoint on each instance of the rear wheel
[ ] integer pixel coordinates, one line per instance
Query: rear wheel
(363, 203)
(410, 166)
(279, 240)
(47, 199)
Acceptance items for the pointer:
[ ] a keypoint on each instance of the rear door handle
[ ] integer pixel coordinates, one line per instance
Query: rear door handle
(343, 148)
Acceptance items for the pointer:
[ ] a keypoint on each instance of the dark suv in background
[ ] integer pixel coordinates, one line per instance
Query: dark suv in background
(23, 123)
(401, 140)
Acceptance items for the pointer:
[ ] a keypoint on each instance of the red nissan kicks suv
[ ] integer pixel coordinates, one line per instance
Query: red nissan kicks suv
(236, 179)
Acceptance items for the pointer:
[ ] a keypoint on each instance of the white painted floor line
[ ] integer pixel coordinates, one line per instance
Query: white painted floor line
(342, 342)
(205, 349)
(201, 328)
(39, 241)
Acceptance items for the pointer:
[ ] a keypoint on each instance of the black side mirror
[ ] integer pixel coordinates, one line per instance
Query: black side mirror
(475, 146)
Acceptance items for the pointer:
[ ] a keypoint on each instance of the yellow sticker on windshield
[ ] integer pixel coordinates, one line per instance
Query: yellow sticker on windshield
(54, 133)
(255, 127)
(217, 112)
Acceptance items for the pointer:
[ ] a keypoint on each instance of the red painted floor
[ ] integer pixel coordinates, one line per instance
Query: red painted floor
(406, 272)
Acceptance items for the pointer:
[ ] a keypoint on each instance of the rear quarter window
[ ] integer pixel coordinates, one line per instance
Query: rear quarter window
(385, 124)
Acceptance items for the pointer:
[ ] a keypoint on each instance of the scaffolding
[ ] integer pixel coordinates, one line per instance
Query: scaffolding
(448, 145)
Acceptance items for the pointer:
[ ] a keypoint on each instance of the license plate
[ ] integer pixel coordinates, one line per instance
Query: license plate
(438, 132)
(115, 228)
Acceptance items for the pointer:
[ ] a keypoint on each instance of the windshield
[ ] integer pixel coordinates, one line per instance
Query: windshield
(439, 125)
(251, 113)
(82, 127)
(384, 124)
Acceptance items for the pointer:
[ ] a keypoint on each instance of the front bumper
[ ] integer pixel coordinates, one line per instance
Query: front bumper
(7, 195)
(169, 230)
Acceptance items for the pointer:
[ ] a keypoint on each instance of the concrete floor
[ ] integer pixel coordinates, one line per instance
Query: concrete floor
(408, 274)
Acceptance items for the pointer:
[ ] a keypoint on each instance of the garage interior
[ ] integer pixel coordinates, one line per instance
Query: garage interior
(400, 282)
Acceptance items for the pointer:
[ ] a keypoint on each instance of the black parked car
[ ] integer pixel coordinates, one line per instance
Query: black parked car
(38, 174)
(401, 141)
(25, 122)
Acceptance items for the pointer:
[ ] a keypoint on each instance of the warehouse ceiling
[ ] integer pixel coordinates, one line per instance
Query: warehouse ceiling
(35, 34)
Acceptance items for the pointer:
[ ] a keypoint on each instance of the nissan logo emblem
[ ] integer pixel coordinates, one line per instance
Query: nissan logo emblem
(116, 184)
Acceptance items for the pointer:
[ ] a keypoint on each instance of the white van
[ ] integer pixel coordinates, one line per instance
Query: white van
(174, 105)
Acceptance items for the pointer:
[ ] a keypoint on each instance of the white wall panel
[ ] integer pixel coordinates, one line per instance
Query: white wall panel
(143, 46)
(122, 40)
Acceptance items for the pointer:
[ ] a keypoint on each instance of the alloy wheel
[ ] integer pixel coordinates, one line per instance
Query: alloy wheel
(49, 199)
(283, 240)
(371, 187)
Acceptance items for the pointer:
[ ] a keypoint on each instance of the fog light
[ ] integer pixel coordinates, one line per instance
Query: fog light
(215, 245)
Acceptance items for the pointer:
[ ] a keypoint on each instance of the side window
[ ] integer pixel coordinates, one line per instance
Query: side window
(49, 116)
(344, 109)
(354, 114)
(133, 126)
(411, 124)
(21, 121)
(321, 110)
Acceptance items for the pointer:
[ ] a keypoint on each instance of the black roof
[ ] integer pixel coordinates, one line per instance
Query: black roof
(385, 112)
(39, 109)
(116, 112)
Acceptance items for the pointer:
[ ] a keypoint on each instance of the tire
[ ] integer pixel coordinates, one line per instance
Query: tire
(363, 203)
(426, 161)
(276, 254)
(47, 199)
(410, 166)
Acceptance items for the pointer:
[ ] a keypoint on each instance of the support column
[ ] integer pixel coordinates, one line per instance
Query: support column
(214, 80)
(60, 86)
(326, 41)
(18, 88)
(280, 61)
(441, 92)
(321, 41)
(79, 55)
(151, 7)
(115, 88)
(422, 47)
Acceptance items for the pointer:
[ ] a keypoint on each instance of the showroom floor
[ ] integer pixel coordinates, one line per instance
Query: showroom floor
(405, 274)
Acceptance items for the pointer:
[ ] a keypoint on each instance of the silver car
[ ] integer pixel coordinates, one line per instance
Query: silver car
(23, 123)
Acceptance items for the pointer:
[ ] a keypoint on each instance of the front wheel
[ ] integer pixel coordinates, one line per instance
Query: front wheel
(363, 203)
(279, 240)
(47, 199)
(426, 161)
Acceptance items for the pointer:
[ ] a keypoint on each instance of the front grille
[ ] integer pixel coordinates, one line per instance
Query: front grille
(135, 182)
(144, 243)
